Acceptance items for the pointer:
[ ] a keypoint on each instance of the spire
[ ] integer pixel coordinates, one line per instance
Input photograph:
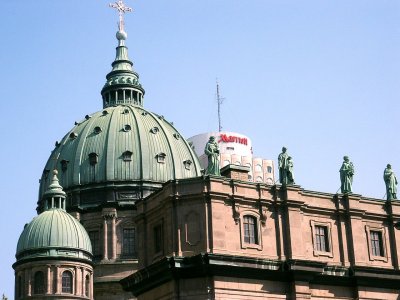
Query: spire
(122, 86)
(54, 197)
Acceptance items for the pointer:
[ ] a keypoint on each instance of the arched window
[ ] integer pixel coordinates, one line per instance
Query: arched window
(269, 169)
(250, 232)
(67, 282)
(87, 285)
(38, 283)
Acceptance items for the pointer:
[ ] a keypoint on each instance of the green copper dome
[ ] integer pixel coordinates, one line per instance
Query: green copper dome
(54, 233)
(122, 153)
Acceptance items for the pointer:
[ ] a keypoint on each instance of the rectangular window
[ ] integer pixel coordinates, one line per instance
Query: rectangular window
(94, 239)
(321, 238)
(250, 230)
(376, 243)
(128, 242)
(158, 239)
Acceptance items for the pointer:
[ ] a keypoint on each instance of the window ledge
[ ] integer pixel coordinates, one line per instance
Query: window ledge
(323, 253)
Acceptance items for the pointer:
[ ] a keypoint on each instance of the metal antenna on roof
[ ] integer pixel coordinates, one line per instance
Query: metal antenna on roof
(219, 101)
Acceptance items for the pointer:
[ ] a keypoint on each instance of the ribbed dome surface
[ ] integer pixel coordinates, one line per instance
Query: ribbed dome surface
(123, 144)
(54, 233)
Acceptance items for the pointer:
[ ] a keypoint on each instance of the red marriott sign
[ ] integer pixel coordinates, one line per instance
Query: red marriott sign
(232, 139)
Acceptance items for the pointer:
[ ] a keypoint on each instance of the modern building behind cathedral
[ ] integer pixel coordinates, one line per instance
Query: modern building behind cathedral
(126, 212)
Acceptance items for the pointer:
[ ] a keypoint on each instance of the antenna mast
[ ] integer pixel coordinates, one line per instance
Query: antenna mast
(219, 101)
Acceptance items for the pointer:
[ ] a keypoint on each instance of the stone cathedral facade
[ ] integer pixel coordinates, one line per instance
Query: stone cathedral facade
(125, 212)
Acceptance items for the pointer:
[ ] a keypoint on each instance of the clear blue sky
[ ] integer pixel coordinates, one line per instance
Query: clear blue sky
(320, 77)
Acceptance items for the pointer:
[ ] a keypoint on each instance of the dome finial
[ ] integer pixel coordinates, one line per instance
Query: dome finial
(122, 86)
(122, 9)
(54, 196)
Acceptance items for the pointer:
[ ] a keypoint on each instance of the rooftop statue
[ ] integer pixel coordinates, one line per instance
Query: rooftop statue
(212, 152)
(289, 171)
(391, 183)
(346, 175)
(285, 164)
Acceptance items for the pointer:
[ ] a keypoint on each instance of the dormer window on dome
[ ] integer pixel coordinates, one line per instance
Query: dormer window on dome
(127, 156)
(187, 164)
(73, 135)
(64, 165)
(161, 157)
(127, 128)
(93, 158)
(46, 173)
(97, 130)
(154, 130)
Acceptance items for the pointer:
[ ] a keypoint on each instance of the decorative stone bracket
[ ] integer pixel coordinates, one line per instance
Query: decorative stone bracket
(263, 213)
(235, 212)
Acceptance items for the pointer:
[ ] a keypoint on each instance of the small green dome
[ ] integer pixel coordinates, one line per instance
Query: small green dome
(54, 233)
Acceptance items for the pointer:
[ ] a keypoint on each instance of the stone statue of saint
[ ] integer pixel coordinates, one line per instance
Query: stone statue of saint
(289, 171)
(212, 152)
(285, 165)
(346, 175)
(391, 183)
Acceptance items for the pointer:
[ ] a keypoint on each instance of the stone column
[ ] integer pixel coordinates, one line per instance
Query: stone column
(91, 292)
(109, 214)
(76, 289)
(28, 283)
(83, 281)
(105, 240)
(48, 285)
(56, 281)
(113, 238)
